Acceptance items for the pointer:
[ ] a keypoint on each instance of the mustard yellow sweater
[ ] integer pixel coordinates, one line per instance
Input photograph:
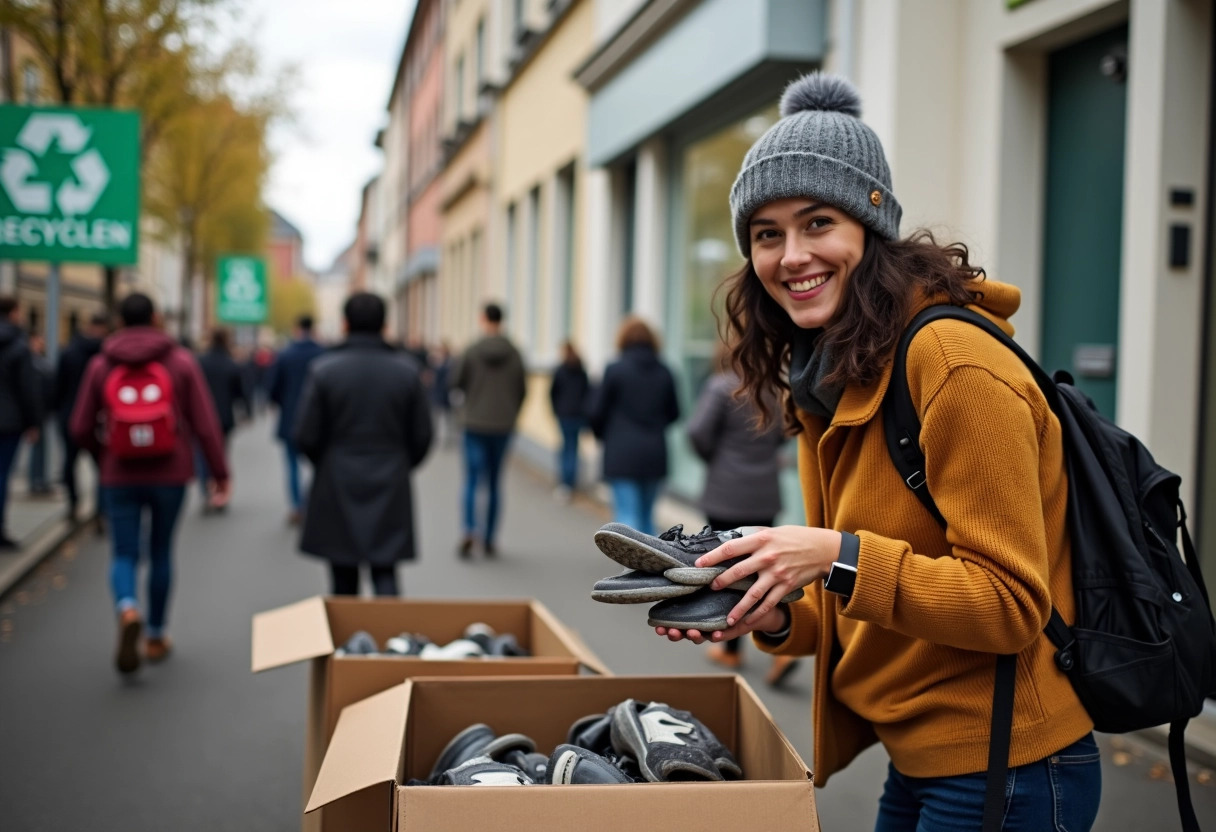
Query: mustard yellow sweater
(910, 659)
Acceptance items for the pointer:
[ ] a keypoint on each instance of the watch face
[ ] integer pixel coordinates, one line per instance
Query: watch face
(840, 579)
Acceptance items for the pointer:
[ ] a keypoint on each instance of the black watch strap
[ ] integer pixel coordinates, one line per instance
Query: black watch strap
(842, 577)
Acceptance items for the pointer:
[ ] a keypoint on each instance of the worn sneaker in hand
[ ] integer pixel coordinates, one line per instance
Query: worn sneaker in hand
(671, 550)
(635, 587)
(705, 610)
(670, 744)
(482, 771)
(573, 765)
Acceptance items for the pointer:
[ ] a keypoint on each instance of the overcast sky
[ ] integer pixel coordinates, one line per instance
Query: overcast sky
(346, 52)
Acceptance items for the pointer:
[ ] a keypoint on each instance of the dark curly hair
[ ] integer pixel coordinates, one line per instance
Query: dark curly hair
(873, 311)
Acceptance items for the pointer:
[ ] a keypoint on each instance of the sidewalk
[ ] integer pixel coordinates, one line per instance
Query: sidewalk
(40, 523)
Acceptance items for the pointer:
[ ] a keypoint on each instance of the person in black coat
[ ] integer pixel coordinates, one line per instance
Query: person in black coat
(630, 412)
(365, 424)
(85, 344)
(568, 395)
(21, 400)
(226, 381)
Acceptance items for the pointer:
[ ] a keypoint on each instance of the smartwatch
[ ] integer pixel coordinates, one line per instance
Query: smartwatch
(842, 576)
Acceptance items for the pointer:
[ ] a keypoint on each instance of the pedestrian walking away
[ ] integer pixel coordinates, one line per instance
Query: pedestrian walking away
(142, 406)
(21, 402)
(441, 394)
(491, 378)
(365, 424)
(630, 412)
(38, 477)
(285, 384)
(229, 392)
(742, 476)
(85, 344)
(568, 396)
(907, 620)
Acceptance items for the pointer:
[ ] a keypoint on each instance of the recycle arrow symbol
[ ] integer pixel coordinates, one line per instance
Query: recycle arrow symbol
(93, 174)
(27, 197)
(41, 128)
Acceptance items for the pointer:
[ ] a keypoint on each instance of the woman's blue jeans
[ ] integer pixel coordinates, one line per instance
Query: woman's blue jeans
(633, 502)
(125, 506)
(1060, 793)
(567, 458)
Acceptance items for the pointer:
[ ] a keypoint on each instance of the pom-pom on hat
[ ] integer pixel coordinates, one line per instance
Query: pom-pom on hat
(820, 149)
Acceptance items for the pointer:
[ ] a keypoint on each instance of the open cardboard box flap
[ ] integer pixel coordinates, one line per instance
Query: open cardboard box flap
(366, 748)
(291, 634)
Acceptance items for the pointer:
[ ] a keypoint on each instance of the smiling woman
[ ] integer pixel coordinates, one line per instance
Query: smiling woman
(907, 619)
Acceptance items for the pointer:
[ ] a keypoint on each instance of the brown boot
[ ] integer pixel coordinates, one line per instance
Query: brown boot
(157, 649)
(730, 659)
(781, 669)
(130, 625)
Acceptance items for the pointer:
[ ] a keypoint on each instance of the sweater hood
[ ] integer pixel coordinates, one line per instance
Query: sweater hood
(137, 345)
(998, 301)
(9, 332)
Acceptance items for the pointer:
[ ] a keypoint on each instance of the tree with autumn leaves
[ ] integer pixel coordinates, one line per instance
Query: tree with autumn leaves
(204, 116)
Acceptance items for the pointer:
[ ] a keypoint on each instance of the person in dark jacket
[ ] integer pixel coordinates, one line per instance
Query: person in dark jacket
(742, 482)
(226, 381)
(568, 395)
(68, 376)
(284, 384)
(492, 378)
(365, 424)
(37, 479)
(21, 401)
(156, 484)
(630, 412)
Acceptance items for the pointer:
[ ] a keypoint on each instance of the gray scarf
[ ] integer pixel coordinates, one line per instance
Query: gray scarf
(810, 362)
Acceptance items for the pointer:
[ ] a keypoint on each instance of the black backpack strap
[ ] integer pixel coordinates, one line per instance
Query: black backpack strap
(1182, 784)
(901, 424)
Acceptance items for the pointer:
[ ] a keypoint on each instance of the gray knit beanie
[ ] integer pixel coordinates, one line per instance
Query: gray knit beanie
(820, 149)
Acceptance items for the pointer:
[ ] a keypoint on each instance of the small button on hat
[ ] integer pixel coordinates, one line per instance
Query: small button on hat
(819, 149)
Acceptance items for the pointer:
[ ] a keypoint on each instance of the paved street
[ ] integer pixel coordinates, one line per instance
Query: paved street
(200, 743)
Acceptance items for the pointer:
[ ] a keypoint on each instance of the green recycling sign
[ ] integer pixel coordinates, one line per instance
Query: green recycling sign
(69, 184)
(241, 288)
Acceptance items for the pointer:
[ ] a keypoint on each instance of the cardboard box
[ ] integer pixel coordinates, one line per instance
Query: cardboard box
(310, 630)
(397, 734)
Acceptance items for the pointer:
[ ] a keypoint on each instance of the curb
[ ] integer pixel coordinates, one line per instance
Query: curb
(45, 544)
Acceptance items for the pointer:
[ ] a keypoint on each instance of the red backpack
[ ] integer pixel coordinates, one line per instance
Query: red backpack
(141, 417)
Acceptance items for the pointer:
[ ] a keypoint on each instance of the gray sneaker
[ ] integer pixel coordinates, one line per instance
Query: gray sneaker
(671, 550)
(704, 610)
(634, 587)
(669, 744)
(482, 771)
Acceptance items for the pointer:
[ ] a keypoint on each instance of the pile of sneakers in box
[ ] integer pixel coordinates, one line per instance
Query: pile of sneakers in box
(479, 640)
(633, 742)
(664, 569)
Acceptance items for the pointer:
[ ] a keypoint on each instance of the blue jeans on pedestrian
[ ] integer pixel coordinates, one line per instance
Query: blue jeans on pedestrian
(633, 502)
(9, 443)
(125, 506)
(483, 456)
(292, 457)
(1060, 792)
(567, 457)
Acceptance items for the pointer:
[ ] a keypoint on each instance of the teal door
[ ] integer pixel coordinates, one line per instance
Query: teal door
(1086, 106)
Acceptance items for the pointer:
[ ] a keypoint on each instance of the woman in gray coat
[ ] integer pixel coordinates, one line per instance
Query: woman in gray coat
(365, 424)
(742, 486)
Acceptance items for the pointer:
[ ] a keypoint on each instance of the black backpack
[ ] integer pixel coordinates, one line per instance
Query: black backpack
(1142, 651)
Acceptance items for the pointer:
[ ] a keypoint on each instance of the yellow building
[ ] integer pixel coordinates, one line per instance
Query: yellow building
(540, 162)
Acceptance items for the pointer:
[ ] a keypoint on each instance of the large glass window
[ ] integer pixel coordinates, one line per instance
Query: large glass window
(707, 255)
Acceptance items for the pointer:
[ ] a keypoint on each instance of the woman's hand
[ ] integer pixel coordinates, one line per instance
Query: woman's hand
(782, 559)
(774, 622)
